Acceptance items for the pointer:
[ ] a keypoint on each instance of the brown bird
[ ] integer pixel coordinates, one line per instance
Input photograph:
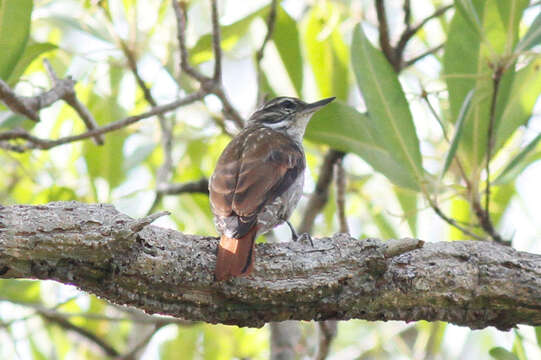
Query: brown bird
(258, 180)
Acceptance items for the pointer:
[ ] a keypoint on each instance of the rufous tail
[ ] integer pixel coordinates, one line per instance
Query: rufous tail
(235, 256)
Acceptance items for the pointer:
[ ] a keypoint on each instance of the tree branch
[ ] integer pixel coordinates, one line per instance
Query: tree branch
(471, 283)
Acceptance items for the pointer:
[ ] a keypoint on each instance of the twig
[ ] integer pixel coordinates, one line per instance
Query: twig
(132, 354)
(340, 177)
(424, 96)
(321, 193)
(15, 103)
(407, 13)
(430, 51)
(327, 332)
(147, 220)
(62, 322)
(200, 186)
(271, 21)
(180, 13)
(208, 85)
(451, 221)
(384, 40)
(34, 142)
(70, 97)
(409, 32)
(490, 137)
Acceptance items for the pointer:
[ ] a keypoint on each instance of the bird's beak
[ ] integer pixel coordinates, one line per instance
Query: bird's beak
(315, 106)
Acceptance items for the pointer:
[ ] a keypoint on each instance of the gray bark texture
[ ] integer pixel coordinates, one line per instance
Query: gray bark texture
(127, 261)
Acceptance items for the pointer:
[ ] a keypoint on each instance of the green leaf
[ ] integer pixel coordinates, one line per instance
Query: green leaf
(106, 161)
(231, 34)
(509, 173)
(20, 290)
(532, 36)
(14, 30)
(344, 128)
(524, 92)
(511, 12)
(468, 11)
(458, 132)
(326, 51)
(500, 353)
(387, 106)
(538, 335)
(31, 53)
(287, 41)
(408, 203)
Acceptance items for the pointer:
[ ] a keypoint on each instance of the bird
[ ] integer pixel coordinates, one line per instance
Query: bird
(258, 180)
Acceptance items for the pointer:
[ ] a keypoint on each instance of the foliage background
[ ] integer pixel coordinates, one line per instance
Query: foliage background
(317, 50)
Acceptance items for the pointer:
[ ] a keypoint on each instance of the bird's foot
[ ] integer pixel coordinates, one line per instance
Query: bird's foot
(303, 238)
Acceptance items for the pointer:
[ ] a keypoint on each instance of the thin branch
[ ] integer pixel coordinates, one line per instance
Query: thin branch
(34, 142)
(284, 340)
(271, 21)
(200, 186)
(327, 333)
(216, 41)
(490, 137)
(17, 104)
(451, 221)
(180, 13)
(430, 51)
(132, 354)
(410, 32)
(384, 39)
(340, 176)
(71, 98)
(424, 96)
(67, 325)
(321, 193)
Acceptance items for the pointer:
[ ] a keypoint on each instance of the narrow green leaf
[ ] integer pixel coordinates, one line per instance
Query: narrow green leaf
(500, 353)
(231, 34)
(408, 203)
(106, 161)
(458, 132)
(287, 41)
(532, 36)
(525, 90)
(14, 30)
(387, 106)
(509, 173)
(538, 335)
(31, 53)
(468, 11)
(511, 13)
(326, 51)
(344, 128)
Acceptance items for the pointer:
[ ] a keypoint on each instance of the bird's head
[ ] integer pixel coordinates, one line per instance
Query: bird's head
(287, 115)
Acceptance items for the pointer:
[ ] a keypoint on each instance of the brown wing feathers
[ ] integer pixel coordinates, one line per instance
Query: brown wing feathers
(257, 166)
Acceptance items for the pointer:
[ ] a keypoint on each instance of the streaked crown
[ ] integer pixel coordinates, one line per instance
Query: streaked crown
(288, 115)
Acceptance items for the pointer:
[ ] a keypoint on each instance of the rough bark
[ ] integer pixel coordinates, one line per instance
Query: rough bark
(102, 251)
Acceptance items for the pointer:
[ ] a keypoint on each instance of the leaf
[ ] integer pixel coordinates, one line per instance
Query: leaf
(500, 353)
(106, 161)
(408, 203)
(468, 11)
(511, 12)
(231, 34)
(458, 132)
(344, 128)
(532, 36)
(538, 335)
(326, 51)
(14, 30)
(31, 53)
(287, 41)
(524, 92)
(387, 106)
(509, 173)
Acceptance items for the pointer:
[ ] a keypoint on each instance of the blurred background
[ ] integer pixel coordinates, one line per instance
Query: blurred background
(116, 49)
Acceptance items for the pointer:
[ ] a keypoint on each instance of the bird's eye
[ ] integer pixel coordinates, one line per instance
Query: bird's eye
(288, 104)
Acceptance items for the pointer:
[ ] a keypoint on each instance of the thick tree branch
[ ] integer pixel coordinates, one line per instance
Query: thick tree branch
(470, 283)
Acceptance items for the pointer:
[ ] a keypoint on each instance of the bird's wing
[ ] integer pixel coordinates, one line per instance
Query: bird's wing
(253, 170)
